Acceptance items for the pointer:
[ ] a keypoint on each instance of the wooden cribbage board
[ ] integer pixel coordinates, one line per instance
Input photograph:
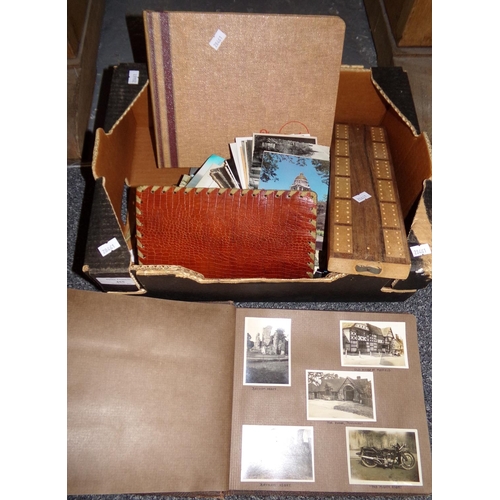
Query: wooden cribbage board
(366, 237)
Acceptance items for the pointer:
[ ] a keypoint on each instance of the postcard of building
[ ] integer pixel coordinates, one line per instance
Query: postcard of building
(300, 173)
(202, 178)
(277, 143)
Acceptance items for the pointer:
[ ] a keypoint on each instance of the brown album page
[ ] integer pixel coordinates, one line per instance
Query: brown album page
(312, 389)
(149, 394)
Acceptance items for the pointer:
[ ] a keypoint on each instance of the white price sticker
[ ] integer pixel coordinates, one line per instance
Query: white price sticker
(419, 250)
(133, 77)
(217, 39)
(362, 197)
(115, 281)
(109, 247)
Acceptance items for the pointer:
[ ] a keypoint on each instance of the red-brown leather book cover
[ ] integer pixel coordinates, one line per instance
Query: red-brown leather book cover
(227, 233)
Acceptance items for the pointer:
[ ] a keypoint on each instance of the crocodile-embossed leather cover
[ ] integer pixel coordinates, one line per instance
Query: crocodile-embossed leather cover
(224, 233)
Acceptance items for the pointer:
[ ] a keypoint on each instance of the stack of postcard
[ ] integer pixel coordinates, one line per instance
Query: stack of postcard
(216, 172)
(294, 163)
(274, 162)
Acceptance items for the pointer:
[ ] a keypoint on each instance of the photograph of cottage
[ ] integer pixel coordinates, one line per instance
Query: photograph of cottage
(373, 344)
(267, 351)
(340, 395)
(277, 453)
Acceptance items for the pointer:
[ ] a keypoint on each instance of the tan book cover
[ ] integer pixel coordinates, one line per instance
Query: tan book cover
(197, 398)
(218, 76)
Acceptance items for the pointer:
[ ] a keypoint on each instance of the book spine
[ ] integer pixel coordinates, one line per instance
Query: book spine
(160, 67)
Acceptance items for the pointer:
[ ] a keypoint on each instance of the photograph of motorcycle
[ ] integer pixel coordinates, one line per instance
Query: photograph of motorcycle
(383, 456)
(396, 456)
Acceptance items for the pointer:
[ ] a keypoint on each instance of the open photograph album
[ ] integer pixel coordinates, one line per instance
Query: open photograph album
(209, 399)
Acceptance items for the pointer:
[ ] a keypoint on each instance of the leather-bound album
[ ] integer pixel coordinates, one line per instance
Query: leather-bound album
(209, 399)
(227, 233)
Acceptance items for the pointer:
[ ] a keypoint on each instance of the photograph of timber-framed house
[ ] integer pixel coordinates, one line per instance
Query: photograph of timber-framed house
(373, 344)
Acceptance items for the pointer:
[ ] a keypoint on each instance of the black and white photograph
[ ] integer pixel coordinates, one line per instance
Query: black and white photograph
(383, 456)
(277, 143)
(277, 453)
(340, 395)
(373, 344)
(267, 351)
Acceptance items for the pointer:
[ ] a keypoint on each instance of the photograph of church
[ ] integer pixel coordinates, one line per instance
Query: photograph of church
(267, 351)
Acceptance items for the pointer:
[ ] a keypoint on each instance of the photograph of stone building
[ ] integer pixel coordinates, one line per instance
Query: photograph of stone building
(373, 344)
(267, 351)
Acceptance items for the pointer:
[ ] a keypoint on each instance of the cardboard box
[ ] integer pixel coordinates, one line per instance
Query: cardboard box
(125, 158)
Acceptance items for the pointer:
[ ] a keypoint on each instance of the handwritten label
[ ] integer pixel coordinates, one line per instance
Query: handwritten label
(362, 197)
(217, 39)
(133, 77)
(419, 250)
(108, 247)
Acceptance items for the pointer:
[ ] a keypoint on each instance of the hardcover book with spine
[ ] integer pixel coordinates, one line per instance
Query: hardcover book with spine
(217, 76)
(209, 399)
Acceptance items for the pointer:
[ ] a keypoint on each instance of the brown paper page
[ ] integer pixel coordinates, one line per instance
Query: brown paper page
(149, 394)
(312, 389)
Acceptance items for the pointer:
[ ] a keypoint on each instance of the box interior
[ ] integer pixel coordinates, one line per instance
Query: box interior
(125, 158)
(122, 161)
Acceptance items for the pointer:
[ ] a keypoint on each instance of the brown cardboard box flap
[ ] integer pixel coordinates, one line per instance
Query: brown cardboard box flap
(217, 76)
